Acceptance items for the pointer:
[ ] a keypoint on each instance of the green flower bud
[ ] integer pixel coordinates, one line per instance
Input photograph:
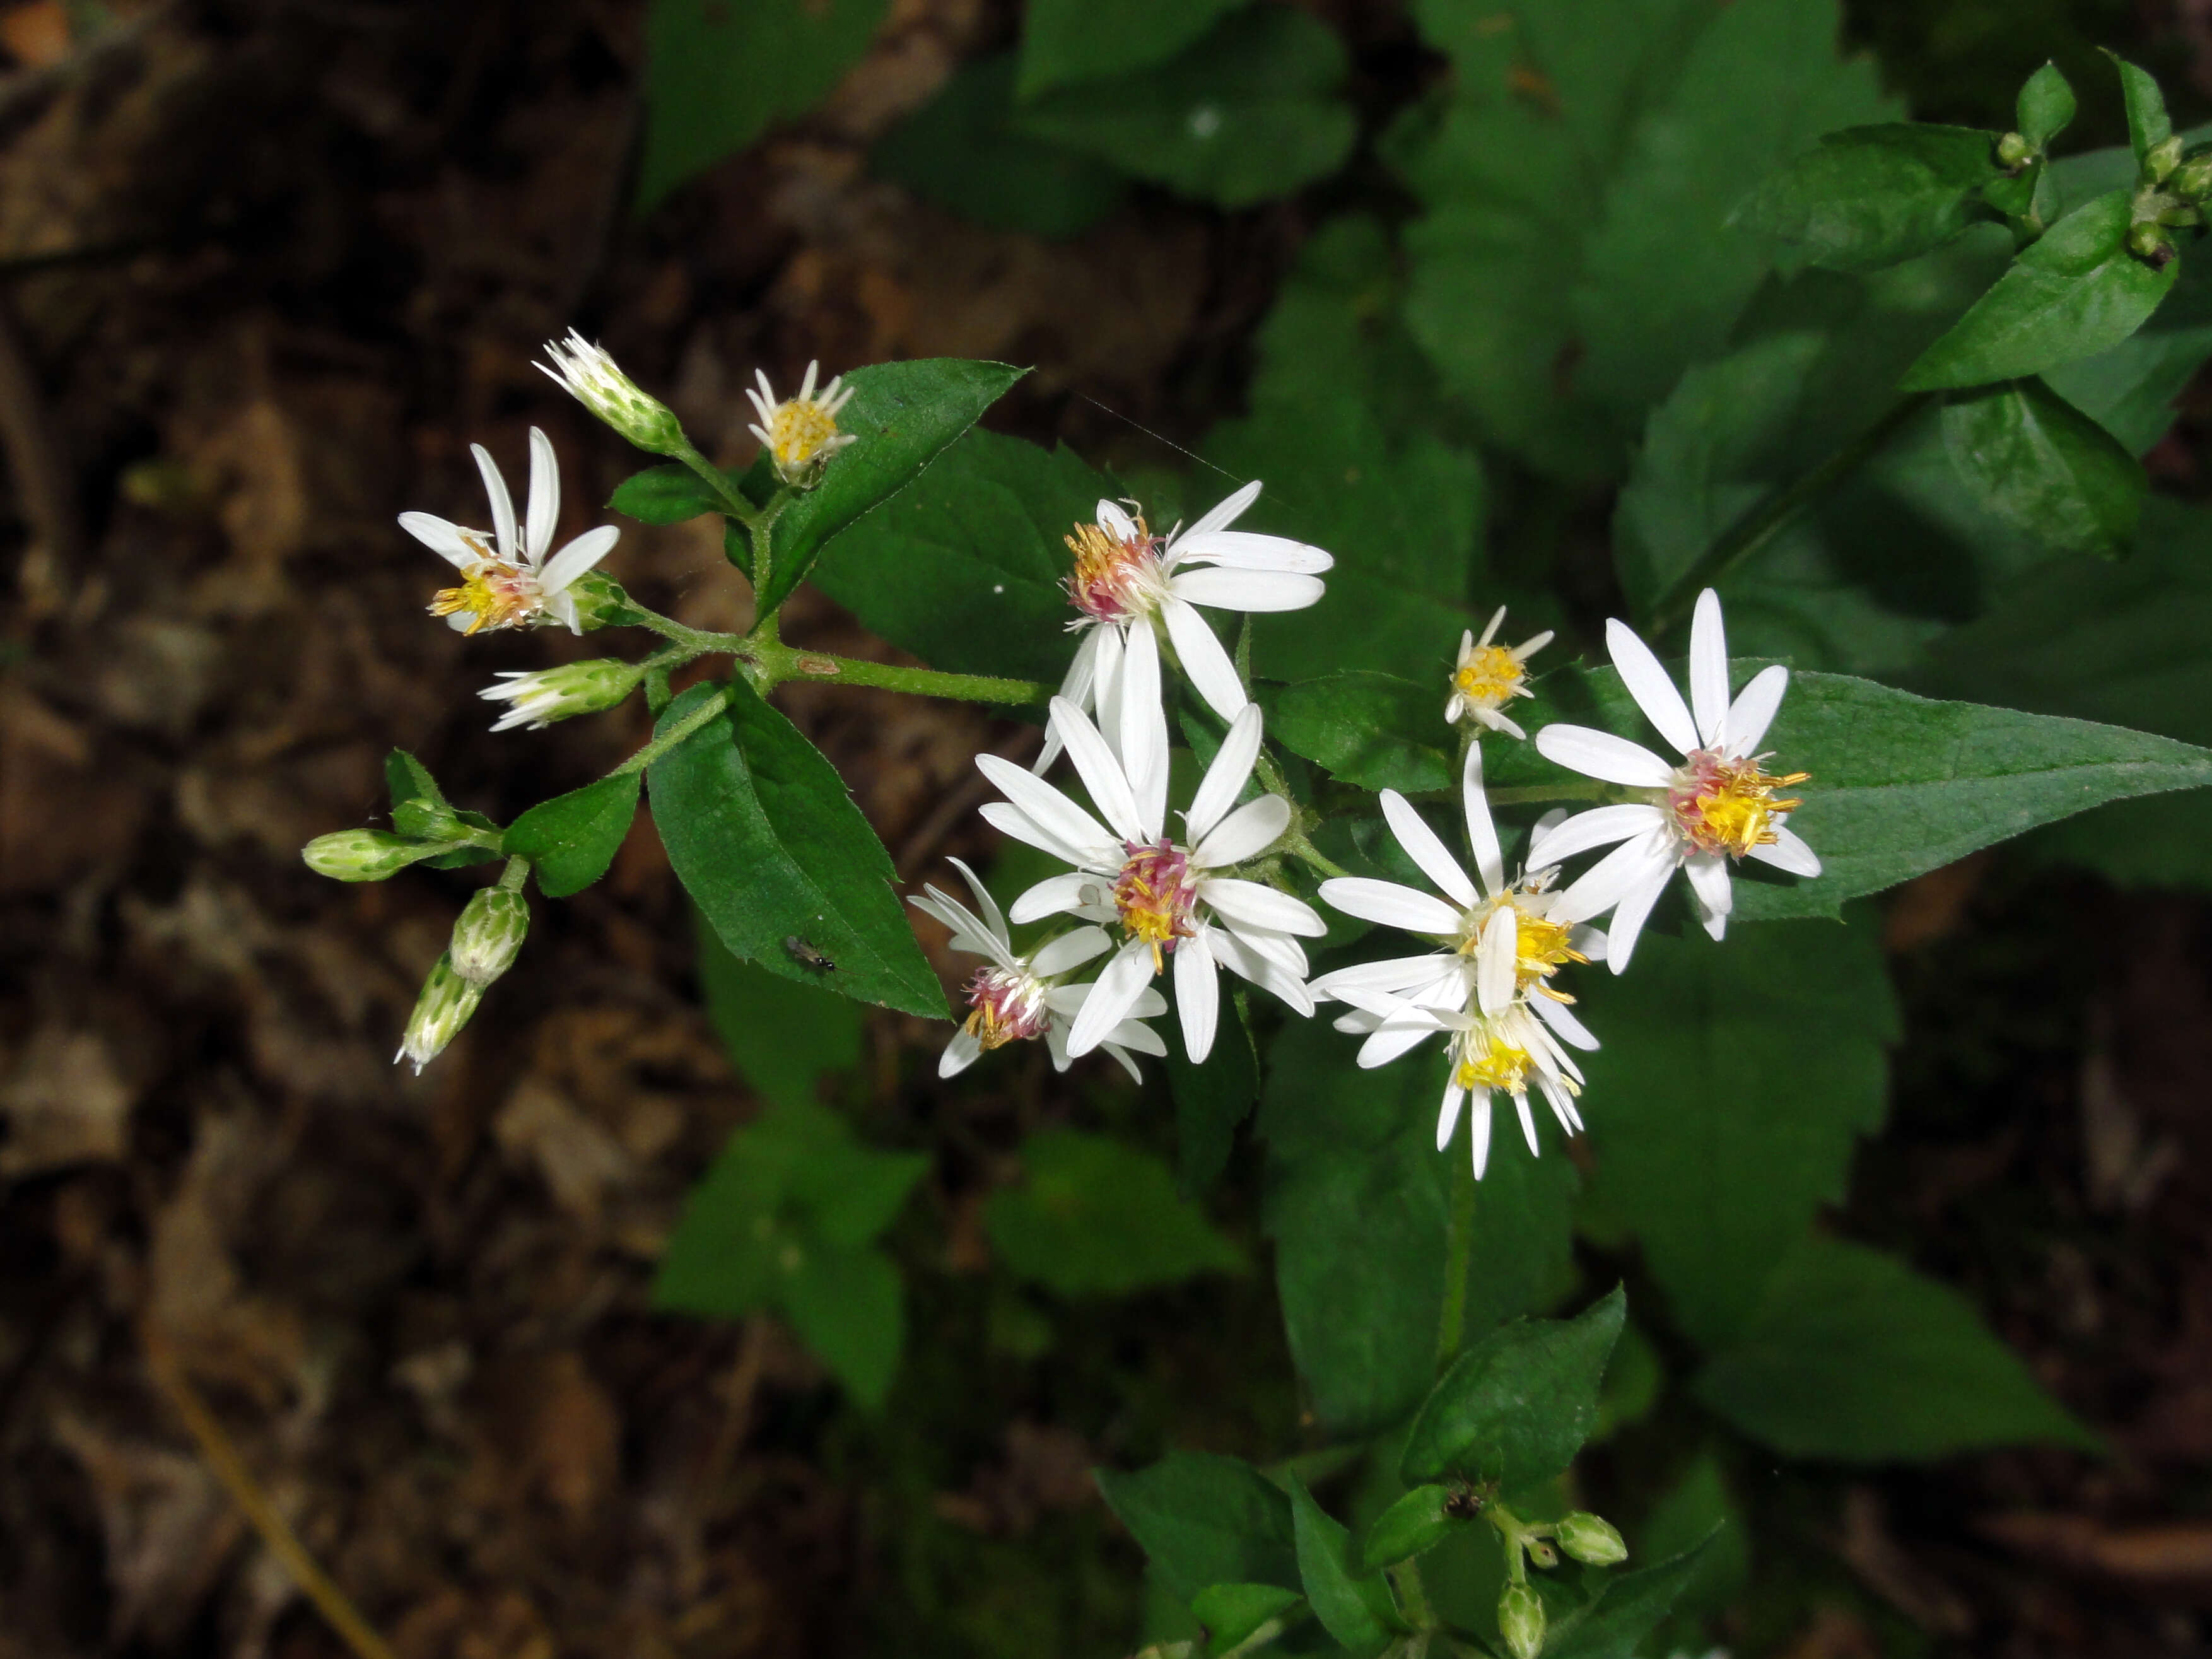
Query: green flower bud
(490, 934)
(2162, 158)
(1590, 1539)
(2150, 244)
(2014, 152)
(2182, 217)
(444, 1007)
(601, 602)
(364, 855)
(1520, 1621)
(1541, 1552)
(2193, 178)
(545, 694)
(601, 386)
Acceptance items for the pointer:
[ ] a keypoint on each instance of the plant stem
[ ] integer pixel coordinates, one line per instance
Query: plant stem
(1459, 1252)
(1748, 535)
(703, 715)
(776, 663)
(516, 873)
(1412, 1598)
(733, 501)
(1532, 794)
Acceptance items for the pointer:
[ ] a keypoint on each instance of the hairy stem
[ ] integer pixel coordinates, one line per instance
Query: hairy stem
(703, 715)
(1412, 1597)
(778, 663)
(1459, 1252)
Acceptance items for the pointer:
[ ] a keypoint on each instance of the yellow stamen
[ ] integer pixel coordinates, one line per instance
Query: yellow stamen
(1732, 810)
(1489, 676)
(797, 431)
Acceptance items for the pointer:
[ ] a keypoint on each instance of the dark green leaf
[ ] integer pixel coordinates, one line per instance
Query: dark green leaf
(572, 839)
(767, 840)
(2046, 107)
(411, 782)
(725, 1256)
(1065, 41)
(1232, 1614)
(1370, 729)
(1211, 1100)
(1628, 1608)
(2148, 124)
(664, 494)
(1516, 1406)
(1205, 1520)
(1720, 1180)
(1417, 1522)
(1869, 196)
(2075, 293)
(848, 1308)
(964, 569)
(2037, 461)
(784, 1038)
(960, 151)
(1097, 1217)
(1356, 1608)
(717, 74)
(1249, 111)
(902, 415)
(2131, 389)
(1852, 1355)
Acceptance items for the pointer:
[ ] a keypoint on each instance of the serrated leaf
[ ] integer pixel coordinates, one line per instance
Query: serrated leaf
(766, 839)
(1366, 728)
(1719, 1182)
(1204, 1519)
(848, 1307)
(1233, 1614)
(1354, 1607)
(2073, 293)
(410, 780)
(2131, 389)
(1870, 196)
(717, 74)
(1094, 1216)
(901, 416)
(784, 1038)
(572, 839)
(2046, 107)
(1249, 111)
(1851, 1355)
(1066, 41)
(2037, 462)
(1516, 1406)
(666, 495)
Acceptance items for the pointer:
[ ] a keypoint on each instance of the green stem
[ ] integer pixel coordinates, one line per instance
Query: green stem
(1532, 794)
(516, 873)
(773, 662)
(1748, 536)
(1458, 1254)
(1412, 1597)
(705, 713)
(733, 502)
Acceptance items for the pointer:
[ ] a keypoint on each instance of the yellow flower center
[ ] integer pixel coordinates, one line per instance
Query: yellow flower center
(1111, 575)
(1540, 946)
(496, 594)
(1154, 893)
(1489, 676)
(1487, 1060)
(797, 432)
(1722, 805)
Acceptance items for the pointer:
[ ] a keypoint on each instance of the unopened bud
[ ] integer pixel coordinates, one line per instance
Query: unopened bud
(1541, 1552)
(2180, 217)
(1591, 1539)
(444, 1007)
(1520, 1621)
(2193, 178)
(601, 602)
(2150, 244)
(2015, 152)
(601, 386)
(545, 694)
(362, 854)
(2161, 160)
(429, 820)
(490, 934)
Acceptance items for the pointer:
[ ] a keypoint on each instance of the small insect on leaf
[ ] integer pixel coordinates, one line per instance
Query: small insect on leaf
(808, 957)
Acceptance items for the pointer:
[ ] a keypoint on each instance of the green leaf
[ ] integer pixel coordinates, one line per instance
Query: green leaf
(2046, 107)
(1628, 1608)
(411, 784)
(783, 1038)
(1065, 41)
(964, 567)
(2131, 389)
(1203, 1520)
(2075, 292)
(1358, 1197)
(1869, 196)
(717, 74)
(1416, 1524)
(962, 151)
(1249, 111)
(1367, 729)
(1233, 1614)
(664, 494)
(2037, 461)
(2148, 124)
(572, 839)
(1354, 1608)
(764, 837)
(1853, 1356)
(848, 1307)
(1096, 1218)
(901, 416)
(1211, 1100)
(1720, 1181)
(1516, 1406)
(731, 1247)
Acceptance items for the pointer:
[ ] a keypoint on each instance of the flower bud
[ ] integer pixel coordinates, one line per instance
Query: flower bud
(2193, 178)
(2014, 152)
(601, 602)
(542, 696)
(490, 934)
(444, 1007)
(2162, 158)
(1520, 1621)
(1541, 1552)
(1590, 1539)
(362, 854)
(2150, 244)
(601, 386)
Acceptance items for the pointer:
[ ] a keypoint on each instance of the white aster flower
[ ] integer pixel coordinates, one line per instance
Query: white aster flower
(1017, 996)
(1126, 581)
(1488, 985)
(537, 697)
(1717, 804)
(1165, 894)
(506, 581)
(1488, 677)
(596, 381)
(801, 432)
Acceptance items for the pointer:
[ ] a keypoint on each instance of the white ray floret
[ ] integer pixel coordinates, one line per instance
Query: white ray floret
(1017, 996)
(507, 579)
(1169, 897)
(1715, 805)
(801, 432)
(1488, 677)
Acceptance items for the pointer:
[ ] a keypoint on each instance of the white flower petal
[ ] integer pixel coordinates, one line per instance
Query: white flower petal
(1393, 906)
(1224, 780)
(1198, 995)
(1394, 974)
(1135, 1034)
(1602, 886)
(1142, 743)
(1101, 772)
(1496, 961)
(1112, 996)
(544, 516)
(1562, 1022)
(1245, 833)
(1634, 909)
(562, 570)
(1422, 847)
(1528, 1121)
(443, 538)
(1055, 895)
(964, 1051)
(1478, 1133)
(1055, 1041)
(503, 505)
(1205, 659)
(986, 906)
(1709, 669)
(1070, 951)
(1052, 811)
(1481, 832)
(1754, 710)
(1121, 1055)
(1708, 875)
(1448, 1114)
(1115, 522)
(1222, 514)
(1242, 955)
(1225, 588)
(1009, 819)
(1648, 683)
(1248, 904)
(1601, 755)
(1246, 550)
(1787, 851)
(1106, 670)
(1076, 686)
(1599, 827)
(1391, 1039)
